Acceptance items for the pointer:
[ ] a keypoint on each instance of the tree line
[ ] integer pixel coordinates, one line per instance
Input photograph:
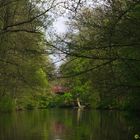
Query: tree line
(102, 50)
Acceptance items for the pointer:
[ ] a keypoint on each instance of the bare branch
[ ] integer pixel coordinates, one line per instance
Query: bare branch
(87, 70)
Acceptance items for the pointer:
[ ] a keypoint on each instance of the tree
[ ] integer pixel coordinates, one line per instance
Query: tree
(23, 66)
(103, 49)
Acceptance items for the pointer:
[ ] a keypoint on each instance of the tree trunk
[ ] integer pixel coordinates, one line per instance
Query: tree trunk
(78, 103)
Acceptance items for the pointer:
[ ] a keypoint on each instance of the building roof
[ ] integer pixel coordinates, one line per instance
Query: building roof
(59, 89)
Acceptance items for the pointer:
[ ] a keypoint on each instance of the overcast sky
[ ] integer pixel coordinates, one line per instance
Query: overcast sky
(61, 28)
(59, 25)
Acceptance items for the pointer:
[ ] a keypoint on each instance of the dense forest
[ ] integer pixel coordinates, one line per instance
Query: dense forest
(99, 53)
(103, 63)
(24, 67)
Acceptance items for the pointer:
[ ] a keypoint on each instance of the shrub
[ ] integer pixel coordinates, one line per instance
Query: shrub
(7, 104)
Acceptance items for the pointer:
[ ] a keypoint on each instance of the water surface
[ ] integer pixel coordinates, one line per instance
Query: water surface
(69, 124)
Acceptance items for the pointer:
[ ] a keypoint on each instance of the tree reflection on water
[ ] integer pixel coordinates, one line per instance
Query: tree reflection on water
(66, 124)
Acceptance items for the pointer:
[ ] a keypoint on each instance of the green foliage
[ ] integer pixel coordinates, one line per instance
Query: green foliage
(41, 78)
(29, 104)
(7, 104)
(65, 100)
(102, 62)
(42, 101)
(35, 101)
(23, 68)
(105, 73)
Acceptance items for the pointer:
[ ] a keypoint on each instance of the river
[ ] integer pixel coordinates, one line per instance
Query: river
(69, 124)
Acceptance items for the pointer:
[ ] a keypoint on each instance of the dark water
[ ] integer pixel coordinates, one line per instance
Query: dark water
(58, 124)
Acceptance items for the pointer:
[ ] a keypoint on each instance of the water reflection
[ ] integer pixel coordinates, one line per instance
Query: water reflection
(75, 124)
(58, 129)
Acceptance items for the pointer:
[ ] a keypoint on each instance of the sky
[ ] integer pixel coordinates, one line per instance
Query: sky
(59, 25)
(61, 28)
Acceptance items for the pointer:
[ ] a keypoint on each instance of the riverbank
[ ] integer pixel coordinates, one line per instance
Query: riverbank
(8, 104)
